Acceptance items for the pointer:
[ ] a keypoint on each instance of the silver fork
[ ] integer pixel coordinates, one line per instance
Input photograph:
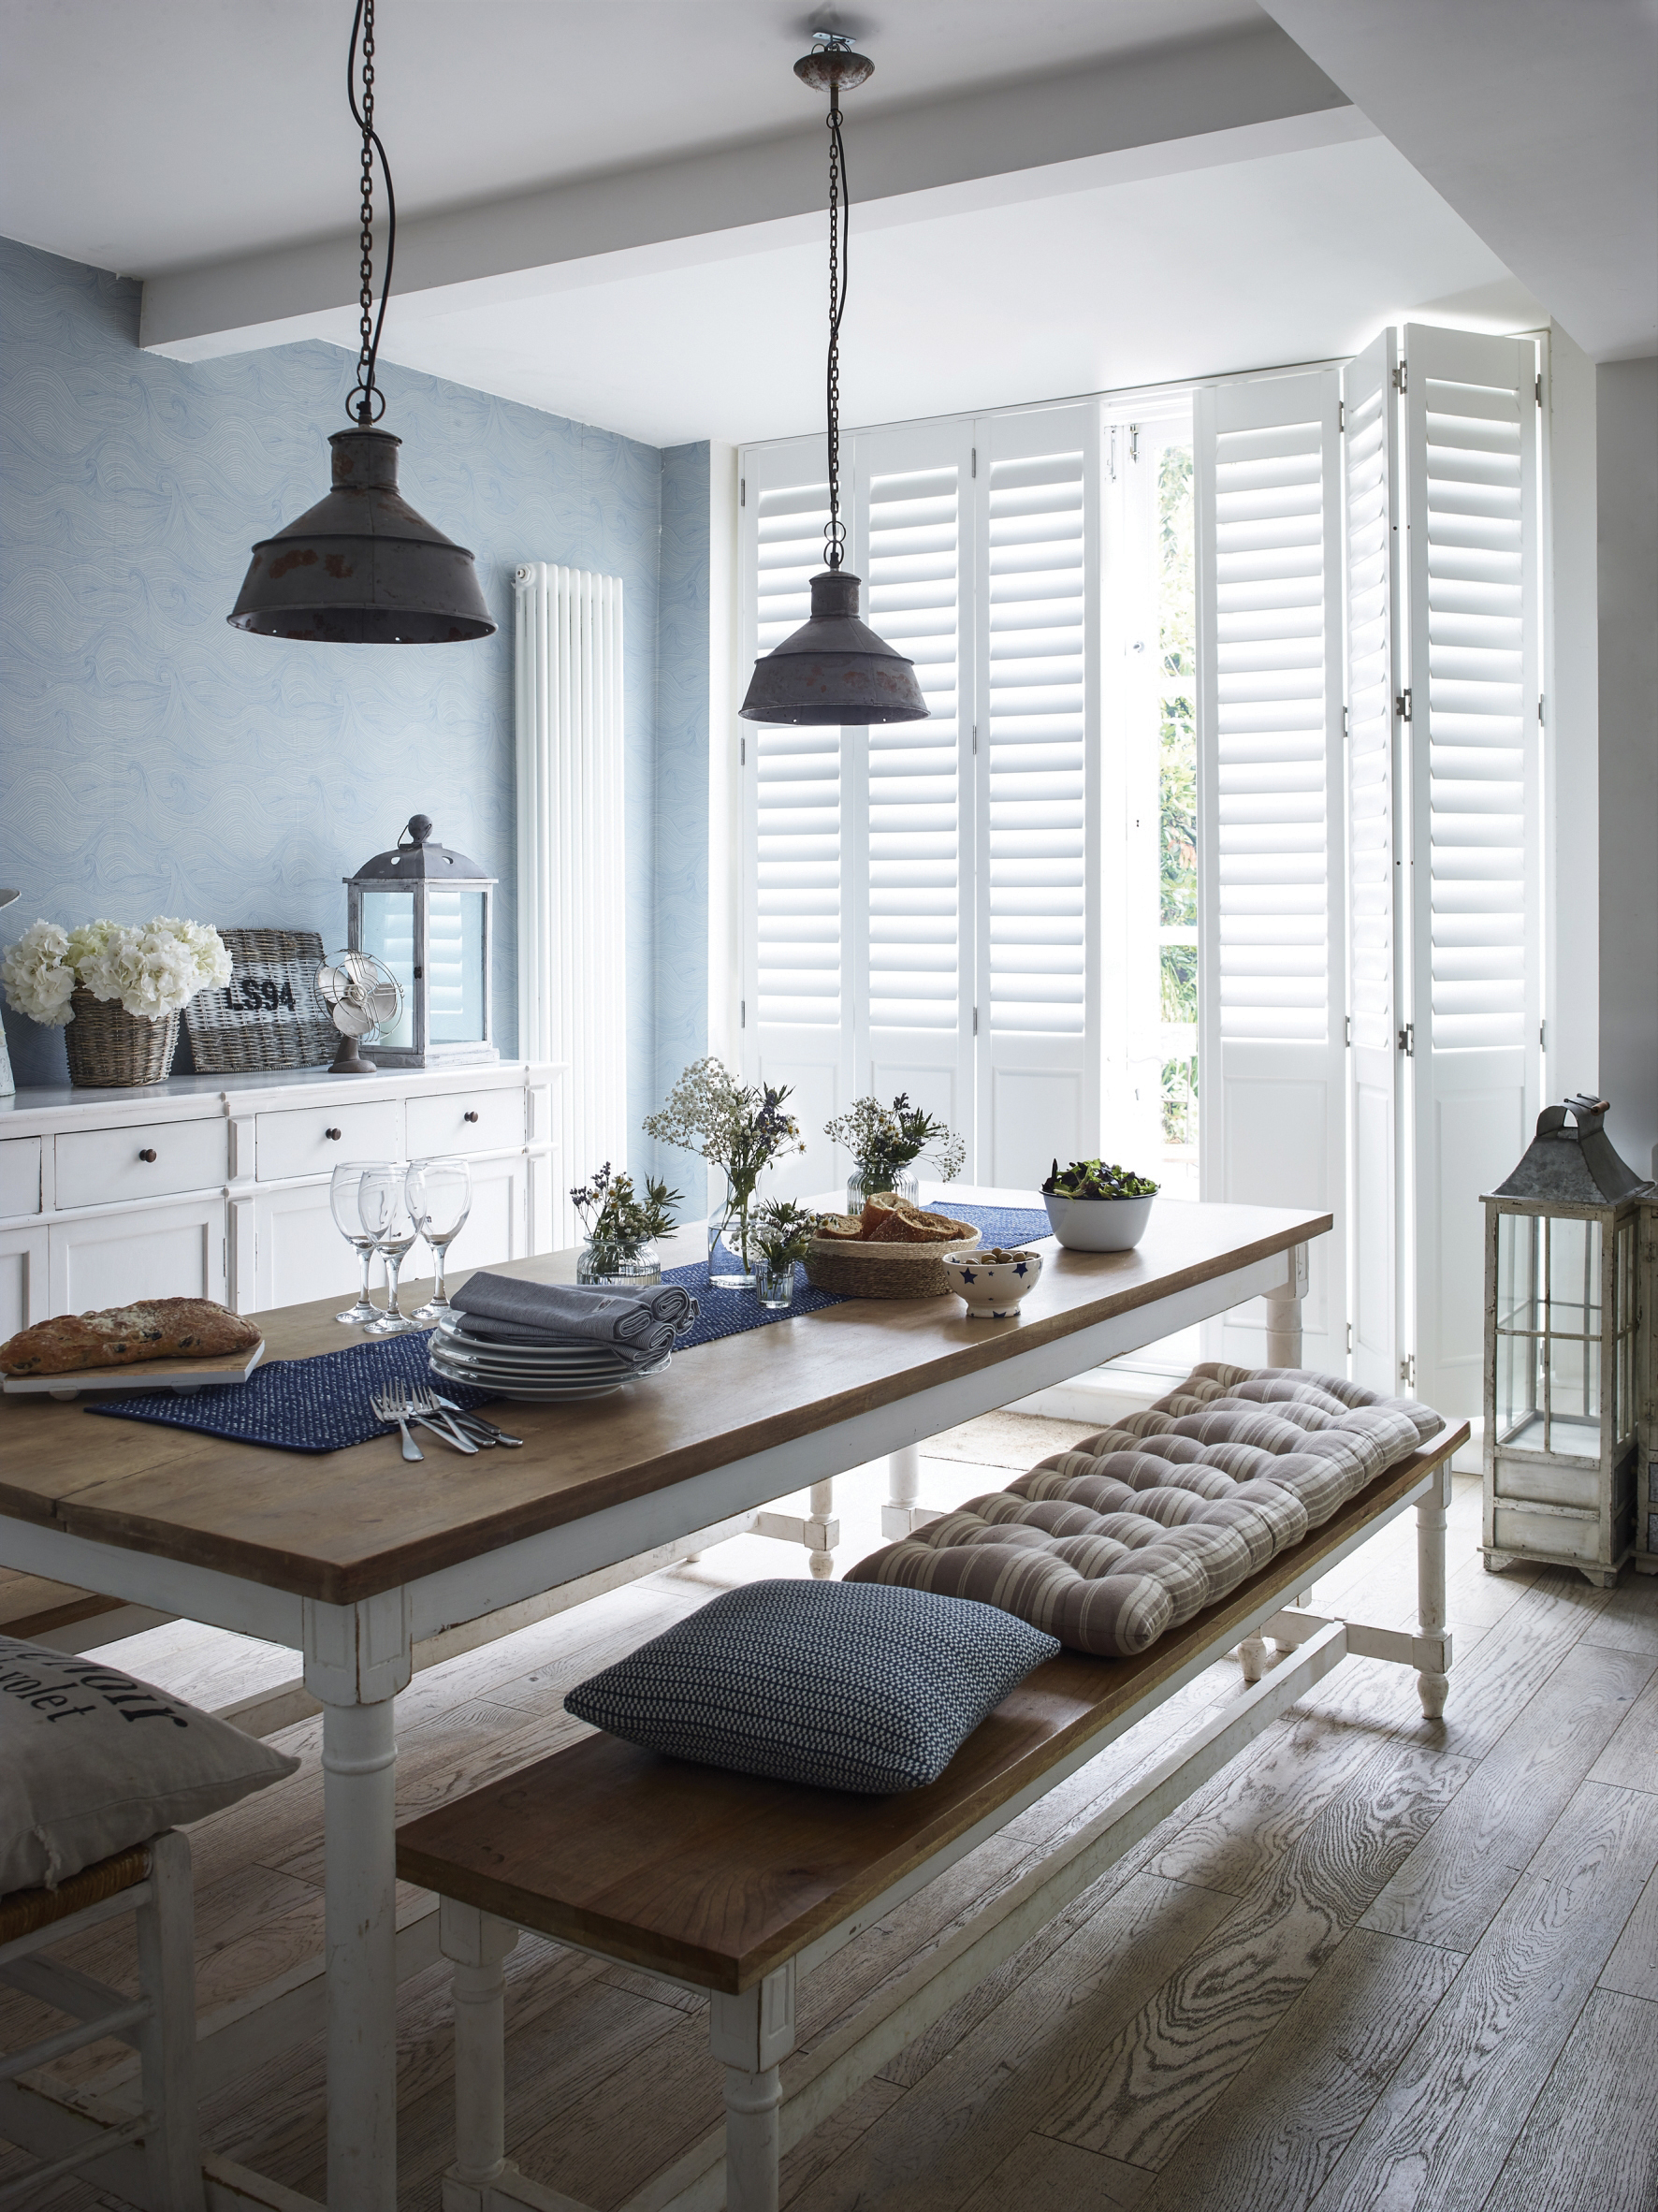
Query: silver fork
(424, 1407)
(388, 1406)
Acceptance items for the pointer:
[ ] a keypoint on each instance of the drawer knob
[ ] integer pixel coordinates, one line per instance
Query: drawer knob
(335, 1134)
(148, 1152)
(469, 1115)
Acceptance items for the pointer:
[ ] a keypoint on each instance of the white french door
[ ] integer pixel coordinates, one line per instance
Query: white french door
(1273, 1127)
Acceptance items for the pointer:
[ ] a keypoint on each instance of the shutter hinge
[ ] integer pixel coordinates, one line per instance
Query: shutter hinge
(975, 740)
(1407, 1040)
(974, 450)
(1401, 377)
(1347, 1039)
(742, 752)
(1540, 387)
(1346, 726)
(1539, 706)
(1407, 1371)
(1349, 1336)
(742, 492)
(1401, 705)
(1542, 1037)
(741, 1013)
(975, 1020)
(1133, 440)
(1340, 424)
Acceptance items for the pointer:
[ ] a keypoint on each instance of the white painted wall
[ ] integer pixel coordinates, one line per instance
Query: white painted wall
(1626, 412)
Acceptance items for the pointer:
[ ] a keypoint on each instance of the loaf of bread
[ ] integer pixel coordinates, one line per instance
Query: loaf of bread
(153, 1329)
(841, 1228)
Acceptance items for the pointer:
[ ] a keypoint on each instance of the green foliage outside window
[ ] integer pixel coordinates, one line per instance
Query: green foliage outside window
(1177, 838)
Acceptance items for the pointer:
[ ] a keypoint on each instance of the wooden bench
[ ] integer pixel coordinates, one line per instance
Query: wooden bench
(738, 1886)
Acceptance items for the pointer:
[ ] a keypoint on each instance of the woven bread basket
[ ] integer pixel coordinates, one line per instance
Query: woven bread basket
(109, 1049)
(859, 1269)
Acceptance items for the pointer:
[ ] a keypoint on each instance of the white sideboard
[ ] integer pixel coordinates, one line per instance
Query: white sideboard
(217, 1185)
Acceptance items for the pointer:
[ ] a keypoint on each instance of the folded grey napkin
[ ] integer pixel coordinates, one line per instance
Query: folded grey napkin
(515, 1312)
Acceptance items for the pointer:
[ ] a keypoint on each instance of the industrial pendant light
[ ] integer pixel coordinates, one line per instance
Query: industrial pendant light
(361, 567)
(834, 668)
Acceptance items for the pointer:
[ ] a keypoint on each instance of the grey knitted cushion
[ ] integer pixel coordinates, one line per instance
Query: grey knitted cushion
(1142, 1526)
(848, 1687)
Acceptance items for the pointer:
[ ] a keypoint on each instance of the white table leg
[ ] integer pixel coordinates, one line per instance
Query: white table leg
(479, 1943)
(356, 1659)
(1283, 1313)
(751, 2034)
(821, 1516)
(903, 1512)
(1430, 1511)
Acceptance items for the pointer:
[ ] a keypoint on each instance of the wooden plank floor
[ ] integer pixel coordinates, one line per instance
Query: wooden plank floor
(1377, 1961)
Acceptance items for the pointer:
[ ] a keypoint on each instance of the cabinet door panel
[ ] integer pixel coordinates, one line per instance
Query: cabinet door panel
(154, 1252)
(22, 1280)
(496, 1227)
(299, 1253)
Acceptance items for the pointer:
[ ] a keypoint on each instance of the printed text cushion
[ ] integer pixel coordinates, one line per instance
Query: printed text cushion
(92, 1761)
(846, 1686)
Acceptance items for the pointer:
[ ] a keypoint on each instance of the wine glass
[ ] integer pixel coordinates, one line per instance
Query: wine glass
(343, 1203)
(439, 1197)
(384, 1205)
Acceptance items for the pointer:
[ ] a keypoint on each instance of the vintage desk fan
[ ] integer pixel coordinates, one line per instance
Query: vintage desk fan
(361, 996)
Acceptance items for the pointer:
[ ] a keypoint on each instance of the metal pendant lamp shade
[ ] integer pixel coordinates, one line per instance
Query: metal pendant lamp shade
(834, 668)
(361, 567)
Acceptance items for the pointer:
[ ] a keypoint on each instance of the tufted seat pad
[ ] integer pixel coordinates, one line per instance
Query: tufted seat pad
(1138, 1528)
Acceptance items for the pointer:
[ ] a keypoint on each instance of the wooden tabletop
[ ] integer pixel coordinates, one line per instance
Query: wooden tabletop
(338, 1526)
(716, 1877)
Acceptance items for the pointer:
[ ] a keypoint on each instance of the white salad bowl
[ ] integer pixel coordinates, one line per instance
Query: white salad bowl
(1097, 1225)
(993, 1288)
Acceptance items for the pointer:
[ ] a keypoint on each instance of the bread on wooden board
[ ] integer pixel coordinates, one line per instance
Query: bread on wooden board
(120, 1335)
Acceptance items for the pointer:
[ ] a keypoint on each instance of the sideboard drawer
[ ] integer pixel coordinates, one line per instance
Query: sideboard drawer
(465, 1121)
(313, 1139)
(20, 1176)
(145, 1159)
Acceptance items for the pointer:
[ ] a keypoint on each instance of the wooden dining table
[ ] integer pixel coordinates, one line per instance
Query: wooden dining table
(351, 1557)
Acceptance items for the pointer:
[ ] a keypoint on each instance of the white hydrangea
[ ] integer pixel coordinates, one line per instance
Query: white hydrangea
(154, 967)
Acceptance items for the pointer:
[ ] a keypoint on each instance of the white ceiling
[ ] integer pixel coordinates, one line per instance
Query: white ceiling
(147, 138)
(1154, 279)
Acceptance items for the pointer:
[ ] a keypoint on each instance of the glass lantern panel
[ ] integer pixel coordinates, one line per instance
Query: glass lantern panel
(388, 933)
(1518, 1331)
(1573, 1321)
(454, 968)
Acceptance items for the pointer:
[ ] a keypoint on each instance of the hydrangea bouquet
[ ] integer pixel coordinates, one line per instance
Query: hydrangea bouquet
(154, 967)
(741, 1128)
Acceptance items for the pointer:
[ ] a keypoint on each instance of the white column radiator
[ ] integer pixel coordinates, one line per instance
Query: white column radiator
(572, 898)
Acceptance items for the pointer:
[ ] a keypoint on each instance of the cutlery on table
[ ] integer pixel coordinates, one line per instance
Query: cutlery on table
(483, 1429)
(422, 1406)
(388, 1406)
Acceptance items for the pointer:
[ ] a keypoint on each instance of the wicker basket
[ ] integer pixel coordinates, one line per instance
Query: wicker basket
(230, 1038)
(112, 1049)
(858, 1270)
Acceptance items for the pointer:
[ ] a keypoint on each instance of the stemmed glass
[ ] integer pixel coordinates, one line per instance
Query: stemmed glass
(384, 1205)
(440, 1198)
(343, 1203)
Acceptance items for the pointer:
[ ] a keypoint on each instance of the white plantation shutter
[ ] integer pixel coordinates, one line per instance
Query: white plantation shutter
(913, 1007)
(1373, 609)
(1267, 469)
(796, 903)
(1039, 838)
(1471, 433)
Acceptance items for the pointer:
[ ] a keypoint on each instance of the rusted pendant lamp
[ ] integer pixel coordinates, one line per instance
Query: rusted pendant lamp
(835, 669)
(361, 567)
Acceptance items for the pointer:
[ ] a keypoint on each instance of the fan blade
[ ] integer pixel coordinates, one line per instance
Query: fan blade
(353, 1019)
(331, 982)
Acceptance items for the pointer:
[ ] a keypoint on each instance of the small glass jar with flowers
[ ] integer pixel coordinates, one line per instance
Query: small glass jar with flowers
(783, 1232)
(886, 1142)
(621, 1228)
(741, 1130)
(118, 988)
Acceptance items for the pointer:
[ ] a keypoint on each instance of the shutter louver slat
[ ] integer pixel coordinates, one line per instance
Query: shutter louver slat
(798, 921)
(912, 563)
(1370, 723)
(1036, 768)
(1269, 685)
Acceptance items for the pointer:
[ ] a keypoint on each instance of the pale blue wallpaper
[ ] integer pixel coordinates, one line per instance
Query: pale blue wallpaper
(154, 760)
(681, 809)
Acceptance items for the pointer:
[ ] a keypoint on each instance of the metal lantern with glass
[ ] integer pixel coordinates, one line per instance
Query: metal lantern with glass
(1560, 1350)
(427, 914)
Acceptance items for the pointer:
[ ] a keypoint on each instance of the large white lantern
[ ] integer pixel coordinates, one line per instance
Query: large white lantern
(427, 912)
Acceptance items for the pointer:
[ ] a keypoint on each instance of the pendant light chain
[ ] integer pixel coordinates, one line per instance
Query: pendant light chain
(366, 403)
(841, 208)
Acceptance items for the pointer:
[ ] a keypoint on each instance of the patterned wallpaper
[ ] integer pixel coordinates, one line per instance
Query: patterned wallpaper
(154, 760)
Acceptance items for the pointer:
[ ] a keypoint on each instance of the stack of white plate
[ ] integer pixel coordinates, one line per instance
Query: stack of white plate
(544, 1372)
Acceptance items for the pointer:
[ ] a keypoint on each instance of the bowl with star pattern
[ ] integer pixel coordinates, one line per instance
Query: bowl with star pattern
(992, 1282)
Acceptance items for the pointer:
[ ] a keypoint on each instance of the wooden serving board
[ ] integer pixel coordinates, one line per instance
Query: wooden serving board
(181, 1375)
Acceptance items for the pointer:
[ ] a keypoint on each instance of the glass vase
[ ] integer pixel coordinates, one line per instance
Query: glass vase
(619, 1267)
(734, 1250)
(863, 1184)
(775, 1285)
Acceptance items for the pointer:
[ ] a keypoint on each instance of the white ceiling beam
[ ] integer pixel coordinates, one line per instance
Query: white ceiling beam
(1251, 91)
